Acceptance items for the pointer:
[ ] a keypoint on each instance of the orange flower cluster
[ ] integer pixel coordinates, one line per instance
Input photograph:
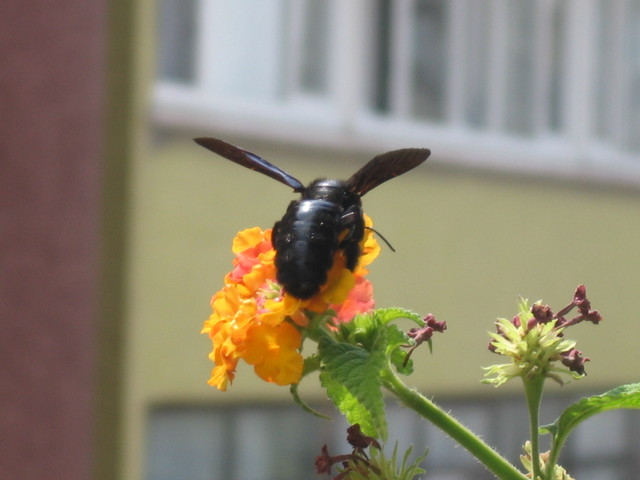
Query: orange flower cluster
(255, 320)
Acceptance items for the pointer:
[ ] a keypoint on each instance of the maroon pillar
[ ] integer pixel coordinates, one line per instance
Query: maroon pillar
(52, 65)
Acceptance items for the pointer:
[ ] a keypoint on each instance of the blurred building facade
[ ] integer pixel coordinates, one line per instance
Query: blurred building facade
(52, 105)
(530, 109)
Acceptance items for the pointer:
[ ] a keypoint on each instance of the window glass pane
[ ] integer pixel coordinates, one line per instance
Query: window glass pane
(294, 436)
(245, 54)
(511, 413)
(176, 40)
(186, 443)
(556, 61)
(598, 472)
(255, 450)
(249, 443)
(617, 74)
(476, 55)
(314, 74)
(380, 41)
(632, 55)
(607, 72)
(601, 435)
(429, 68)
(520, 87)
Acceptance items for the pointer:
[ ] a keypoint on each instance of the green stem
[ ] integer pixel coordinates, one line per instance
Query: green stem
(500, 467)
(553, 459)
(533, 390)
(556, 447)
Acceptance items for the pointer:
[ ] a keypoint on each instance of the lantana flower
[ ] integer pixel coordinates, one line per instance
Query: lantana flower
(534, 342)
(254, 319)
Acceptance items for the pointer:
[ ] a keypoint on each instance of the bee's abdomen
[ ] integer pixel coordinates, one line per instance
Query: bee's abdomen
(305, 241)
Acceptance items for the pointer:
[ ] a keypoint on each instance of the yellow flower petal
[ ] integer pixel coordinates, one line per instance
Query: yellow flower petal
(281, 362)
(246, 239)
(285, 368)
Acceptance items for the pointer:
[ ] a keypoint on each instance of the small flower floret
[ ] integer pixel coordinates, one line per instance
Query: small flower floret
(424, 333)
(356, 463)
(526, 458)
(359, 440)
(574, 360)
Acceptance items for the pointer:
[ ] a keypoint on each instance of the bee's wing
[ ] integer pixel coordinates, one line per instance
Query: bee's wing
(386, 166)
(249, 160)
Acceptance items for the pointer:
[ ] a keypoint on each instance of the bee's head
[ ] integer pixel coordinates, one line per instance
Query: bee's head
(334, 191)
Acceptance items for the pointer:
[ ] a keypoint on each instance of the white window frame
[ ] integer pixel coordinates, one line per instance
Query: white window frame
(342, 118)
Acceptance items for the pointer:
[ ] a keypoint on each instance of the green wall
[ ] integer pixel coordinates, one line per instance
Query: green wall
(467, 244)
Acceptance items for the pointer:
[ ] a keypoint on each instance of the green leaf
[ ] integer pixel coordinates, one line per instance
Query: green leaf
(310, 365)
(625, 396)
(396, 338)
(364, 330)
(352, 361)
(386, 315)
(351, 377)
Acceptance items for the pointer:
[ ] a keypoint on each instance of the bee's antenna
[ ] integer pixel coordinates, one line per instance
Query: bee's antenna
(382, 237)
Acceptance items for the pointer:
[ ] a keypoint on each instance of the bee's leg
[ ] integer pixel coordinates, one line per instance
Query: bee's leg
(352, 222)
(275, 232)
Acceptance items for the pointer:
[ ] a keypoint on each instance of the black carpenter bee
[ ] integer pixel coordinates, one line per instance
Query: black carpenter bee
(326, 218)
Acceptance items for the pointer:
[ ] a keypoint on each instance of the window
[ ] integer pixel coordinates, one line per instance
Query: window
(509, 82)
(210, 443)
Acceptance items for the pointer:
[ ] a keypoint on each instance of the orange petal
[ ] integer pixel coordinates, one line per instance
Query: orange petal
(246, 239)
